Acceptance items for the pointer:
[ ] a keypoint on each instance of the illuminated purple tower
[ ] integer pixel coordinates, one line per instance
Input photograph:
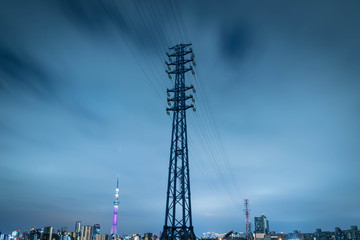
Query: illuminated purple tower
(116, 206)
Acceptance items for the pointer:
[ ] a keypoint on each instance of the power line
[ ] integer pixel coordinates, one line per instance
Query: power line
(205, 129)
(140, 42)
(130, 49)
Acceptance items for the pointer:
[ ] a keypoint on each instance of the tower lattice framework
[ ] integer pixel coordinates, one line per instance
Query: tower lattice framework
(178, 219)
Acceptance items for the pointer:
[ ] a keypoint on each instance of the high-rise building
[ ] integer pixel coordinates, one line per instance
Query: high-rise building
(15, 235)
(26, 236)
(77, 229)
(48, 232)
(261, 225)
(96, 230)
(86, 233)
(354, 231)
(339, 234)
(148, 236)
(77, 226)
(33, 234)
(4, 236)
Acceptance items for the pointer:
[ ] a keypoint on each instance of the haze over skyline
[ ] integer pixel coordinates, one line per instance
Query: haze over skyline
(281, 78)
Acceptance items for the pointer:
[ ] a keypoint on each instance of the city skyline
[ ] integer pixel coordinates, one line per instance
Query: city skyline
(93, 233)
(78, 108)
(261, 226)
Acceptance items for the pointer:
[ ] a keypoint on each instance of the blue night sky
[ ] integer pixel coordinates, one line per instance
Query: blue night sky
(82, 99)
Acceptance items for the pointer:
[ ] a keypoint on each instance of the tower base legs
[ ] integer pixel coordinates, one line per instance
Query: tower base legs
(178, 233)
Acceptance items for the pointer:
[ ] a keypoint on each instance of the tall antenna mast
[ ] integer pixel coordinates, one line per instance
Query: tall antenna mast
(178, 219)
(116, 207)
(247, 219)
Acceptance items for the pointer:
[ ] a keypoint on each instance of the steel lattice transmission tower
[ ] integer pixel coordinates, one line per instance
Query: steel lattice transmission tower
(247, 219)
(178, 220)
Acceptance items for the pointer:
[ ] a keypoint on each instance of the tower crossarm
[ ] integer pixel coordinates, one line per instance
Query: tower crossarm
(179, 54)
(175, 63)
(178, 99)
(180, 108)
(184, 70)
(182, 89)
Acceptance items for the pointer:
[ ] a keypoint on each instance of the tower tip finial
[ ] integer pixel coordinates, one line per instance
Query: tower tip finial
(117, 181)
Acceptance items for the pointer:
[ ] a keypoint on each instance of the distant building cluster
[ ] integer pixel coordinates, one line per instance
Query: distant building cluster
(212, 235)
(262, 232)
(339, 234)
(220, 236)
(81, 232)
(48, 233)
